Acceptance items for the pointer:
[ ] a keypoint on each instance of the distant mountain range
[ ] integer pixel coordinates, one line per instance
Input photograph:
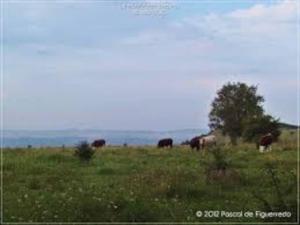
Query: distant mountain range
(70, 137)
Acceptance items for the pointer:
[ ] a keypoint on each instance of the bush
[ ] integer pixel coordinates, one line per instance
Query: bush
(84, 151)
(219, 169)
(221, 161)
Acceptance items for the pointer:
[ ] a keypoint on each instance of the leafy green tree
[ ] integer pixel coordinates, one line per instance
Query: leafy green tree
(257, 127)
(234, 104)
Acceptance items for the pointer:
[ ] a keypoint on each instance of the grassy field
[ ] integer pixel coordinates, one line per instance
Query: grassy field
(146, 184)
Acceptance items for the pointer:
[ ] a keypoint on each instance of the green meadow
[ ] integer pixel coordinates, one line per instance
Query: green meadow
(146, 184)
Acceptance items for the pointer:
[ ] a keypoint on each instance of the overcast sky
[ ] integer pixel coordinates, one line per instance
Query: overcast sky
(155, 65)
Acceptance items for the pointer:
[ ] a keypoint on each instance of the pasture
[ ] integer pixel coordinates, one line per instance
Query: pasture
(146, 184)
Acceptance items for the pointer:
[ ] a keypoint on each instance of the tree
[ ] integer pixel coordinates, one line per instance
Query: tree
(257, 127)
(234, 104)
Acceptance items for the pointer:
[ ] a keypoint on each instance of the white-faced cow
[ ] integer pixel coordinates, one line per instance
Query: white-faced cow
(203, 141)
(208, 140)
(265, 143)
(195, 142)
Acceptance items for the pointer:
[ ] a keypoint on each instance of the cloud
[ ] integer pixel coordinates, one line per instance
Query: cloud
(260, 27)
(257, 23)
(284, 11)
(111, 61)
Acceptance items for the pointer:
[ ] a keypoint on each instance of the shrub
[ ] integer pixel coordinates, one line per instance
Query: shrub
(220, 160)
(219, 169)
(84, 151)
(186, 142)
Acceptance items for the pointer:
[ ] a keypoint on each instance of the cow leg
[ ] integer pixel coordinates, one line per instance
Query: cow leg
(262, 149)
(257, 145)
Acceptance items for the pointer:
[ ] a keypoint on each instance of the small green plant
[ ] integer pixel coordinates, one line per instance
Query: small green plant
(220, 161)
(219, 169)
(84, 151)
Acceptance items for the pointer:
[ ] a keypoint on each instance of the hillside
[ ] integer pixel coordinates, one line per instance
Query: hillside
(288, 126)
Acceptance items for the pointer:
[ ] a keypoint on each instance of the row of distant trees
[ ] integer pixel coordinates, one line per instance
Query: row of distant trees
(238, 112)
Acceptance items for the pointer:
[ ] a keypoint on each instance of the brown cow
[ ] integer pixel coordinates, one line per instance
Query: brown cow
(98, 143)
(168, 142)
(265, 142)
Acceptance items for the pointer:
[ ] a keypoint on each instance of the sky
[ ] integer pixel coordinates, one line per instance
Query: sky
(143, 65)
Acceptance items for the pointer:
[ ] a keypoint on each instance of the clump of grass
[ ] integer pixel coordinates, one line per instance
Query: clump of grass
(84, 152)
(34, 184)
(281, 191)
(106, 171)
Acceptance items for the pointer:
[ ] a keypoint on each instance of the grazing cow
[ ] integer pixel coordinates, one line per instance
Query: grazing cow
(168, 142)
(207, 140)
(98, 143)
(265, 143)
(195, 142)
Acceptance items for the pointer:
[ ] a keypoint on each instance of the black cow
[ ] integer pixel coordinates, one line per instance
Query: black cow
(195, 143)
(98, 143)
(168, 142)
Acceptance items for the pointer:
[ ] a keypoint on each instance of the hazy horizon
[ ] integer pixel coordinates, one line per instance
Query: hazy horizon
(39, 138)
(157, 66)
(103, 129)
